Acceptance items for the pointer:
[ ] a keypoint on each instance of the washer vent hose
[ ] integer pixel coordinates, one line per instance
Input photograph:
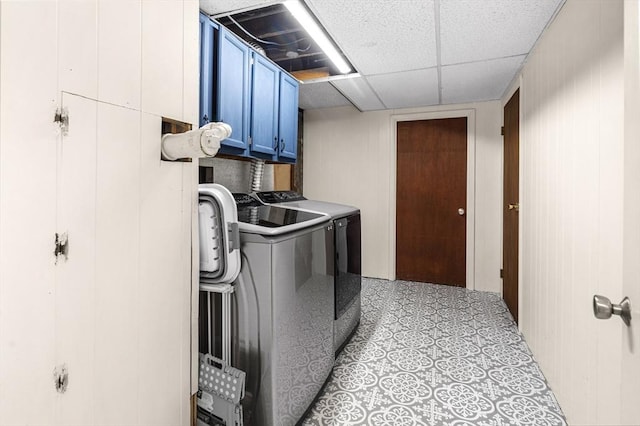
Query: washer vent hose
(257, 170)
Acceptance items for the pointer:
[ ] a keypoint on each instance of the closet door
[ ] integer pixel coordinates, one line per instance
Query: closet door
(122, 307)
(97, 284)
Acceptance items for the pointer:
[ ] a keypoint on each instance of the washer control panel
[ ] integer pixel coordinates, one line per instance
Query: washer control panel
(273, 197)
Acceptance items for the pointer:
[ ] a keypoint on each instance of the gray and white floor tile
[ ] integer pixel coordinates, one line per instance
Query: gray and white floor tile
(428, 354)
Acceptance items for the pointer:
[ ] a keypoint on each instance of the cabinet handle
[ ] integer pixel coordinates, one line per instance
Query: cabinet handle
(282, 145)
(275, 143)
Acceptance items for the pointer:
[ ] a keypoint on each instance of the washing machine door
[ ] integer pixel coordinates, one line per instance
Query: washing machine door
(218, 234)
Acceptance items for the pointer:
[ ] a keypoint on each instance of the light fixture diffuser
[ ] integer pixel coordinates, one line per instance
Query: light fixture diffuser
(317, 34)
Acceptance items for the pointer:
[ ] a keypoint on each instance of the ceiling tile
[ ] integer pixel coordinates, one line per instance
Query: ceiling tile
(381, 36)
(473, 30)
(358, 91)
(478, 81)
(407, 89)
(216, 7)
(320, 95)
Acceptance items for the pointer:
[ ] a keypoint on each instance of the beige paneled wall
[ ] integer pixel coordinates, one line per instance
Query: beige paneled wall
(117, 313)
(630, 365)
(346, 161)
(571, 205)
(349, 159)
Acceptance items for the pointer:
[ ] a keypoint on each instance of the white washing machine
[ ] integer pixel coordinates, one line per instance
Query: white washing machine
(347, 258)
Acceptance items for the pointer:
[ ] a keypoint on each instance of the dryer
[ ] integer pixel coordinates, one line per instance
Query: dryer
(347, 258)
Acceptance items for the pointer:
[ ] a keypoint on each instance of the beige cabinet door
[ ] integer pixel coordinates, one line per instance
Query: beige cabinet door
(123, 305)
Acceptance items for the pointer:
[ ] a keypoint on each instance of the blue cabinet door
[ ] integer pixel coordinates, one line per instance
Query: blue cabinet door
(288, 123)
(207, 28)
(233, 91)
(265, 80)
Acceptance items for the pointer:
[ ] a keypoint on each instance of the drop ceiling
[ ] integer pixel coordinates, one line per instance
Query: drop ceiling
(412, 53)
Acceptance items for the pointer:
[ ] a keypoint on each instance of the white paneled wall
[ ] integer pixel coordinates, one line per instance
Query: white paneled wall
(630, 366)
(27, 152)
(162, 57)
(119, 52)
(571, 205)
(348, 158)
(118, 312)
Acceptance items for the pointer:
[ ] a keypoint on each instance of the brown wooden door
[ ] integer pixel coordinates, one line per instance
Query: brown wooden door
(511, 204)
(431, 188)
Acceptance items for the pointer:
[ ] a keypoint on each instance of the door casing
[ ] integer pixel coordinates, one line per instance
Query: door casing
(511, 191)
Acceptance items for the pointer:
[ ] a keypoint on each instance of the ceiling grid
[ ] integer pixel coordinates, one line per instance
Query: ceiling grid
(413, 53)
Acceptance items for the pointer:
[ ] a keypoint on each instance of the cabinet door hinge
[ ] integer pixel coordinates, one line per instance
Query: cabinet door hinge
(250, 141)
(502, 131)
(61, 378)
(62, 119)
(501, 273)
(61, 246)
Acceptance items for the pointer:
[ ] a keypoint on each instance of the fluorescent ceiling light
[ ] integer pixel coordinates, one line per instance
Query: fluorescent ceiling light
(317, 34)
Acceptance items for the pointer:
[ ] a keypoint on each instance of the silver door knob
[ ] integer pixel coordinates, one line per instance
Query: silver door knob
(603, 308)
(461, 211)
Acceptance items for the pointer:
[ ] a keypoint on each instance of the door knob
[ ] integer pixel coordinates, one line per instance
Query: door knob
(461, 211)
(515, 206)
(603, 308)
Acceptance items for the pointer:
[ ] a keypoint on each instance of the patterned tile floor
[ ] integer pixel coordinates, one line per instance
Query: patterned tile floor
(428, 354)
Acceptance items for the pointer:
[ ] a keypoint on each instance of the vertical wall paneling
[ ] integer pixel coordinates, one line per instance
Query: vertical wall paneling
(28, 84)
(571, 205)
(364, 142)
(630, 365)
(77, 49)
(162, 58)
(119, 52)
(191, 62)
(118, 311)
(164, 286)
(116, 305)
(189, 290)
(76, 276)
(191, 114)
(488, 190)
(611, 135)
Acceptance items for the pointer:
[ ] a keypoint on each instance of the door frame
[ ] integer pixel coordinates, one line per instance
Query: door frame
(515, 85)
(470, 115)
(511, 94)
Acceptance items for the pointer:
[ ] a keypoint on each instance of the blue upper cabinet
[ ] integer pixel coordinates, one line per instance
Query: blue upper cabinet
(232, 91)
(207, 29)
(288, 119)
(253, 95)
(265, 80)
